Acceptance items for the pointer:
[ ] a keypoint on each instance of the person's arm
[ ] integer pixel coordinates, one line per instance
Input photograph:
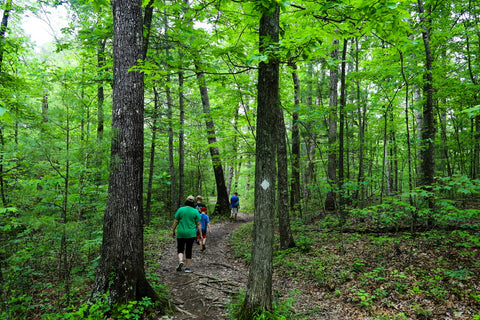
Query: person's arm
(175, 224)
(199, 227)
(208, 228)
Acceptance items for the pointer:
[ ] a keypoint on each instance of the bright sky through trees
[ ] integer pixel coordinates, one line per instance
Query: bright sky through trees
(46, 25)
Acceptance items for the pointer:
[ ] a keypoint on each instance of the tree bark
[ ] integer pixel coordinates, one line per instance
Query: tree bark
(101, 63)
(151, 167)
(475, 163)
(295, 205)
(428, 129)
(286, 238)
(259, 288)
(3, 28)
(362, 111)
(222, 207)
(310, 144)
(341, 134)
(121, 270)
(181, 146)
(331, 201)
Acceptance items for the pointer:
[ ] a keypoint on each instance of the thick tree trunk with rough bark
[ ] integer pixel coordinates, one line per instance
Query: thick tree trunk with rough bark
(259, 288)
(121, 271)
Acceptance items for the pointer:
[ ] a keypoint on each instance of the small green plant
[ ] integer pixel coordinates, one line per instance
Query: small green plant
(304, 244)
(101, 309)
(133, 309)
(461, 274)
(281, 310)
(400, 316)
(90, 311)
(365, 297)
(421, 312)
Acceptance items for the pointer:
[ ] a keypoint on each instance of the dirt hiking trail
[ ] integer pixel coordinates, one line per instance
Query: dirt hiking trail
(205, 292)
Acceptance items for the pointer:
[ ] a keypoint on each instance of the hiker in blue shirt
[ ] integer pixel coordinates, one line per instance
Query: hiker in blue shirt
(235, 205)
(205, 224)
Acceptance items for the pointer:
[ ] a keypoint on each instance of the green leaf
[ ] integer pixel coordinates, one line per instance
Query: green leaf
(472, 112)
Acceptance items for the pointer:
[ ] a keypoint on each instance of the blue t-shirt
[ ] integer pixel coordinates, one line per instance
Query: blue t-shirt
(234, 201)
(204, 219)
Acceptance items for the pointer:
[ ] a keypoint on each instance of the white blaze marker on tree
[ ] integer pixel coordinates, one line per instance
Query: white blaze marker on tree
(265, 184)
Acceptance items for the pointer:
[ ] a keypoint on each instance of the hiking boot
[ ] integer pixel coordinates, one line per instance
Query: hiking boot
(203, 247)
(180, 266)
(187, 270)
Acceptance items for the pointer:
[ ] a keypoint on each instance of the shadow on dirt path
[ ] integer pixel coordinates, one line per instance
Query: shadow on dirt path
(204, 293)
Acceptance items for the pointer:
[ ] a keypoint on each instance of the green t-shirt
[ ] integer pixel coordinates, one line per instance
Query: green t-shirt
(187, 222)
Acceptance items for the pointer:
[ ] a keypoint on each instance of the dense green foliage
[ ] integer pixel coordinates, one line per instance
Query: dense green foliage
(55, 141)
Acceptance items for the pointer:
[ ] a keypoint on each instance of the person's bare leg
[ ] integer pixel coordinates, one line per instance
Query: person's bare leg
(187, 264)
(180, 262)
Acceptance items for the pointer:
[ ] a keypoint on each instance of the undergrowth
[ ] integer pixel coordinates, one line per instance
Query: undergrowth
(281, 310)
(387, 275)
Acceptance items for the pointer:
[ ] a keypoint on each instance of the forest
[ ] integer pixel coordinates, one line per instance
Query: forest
(349, 128)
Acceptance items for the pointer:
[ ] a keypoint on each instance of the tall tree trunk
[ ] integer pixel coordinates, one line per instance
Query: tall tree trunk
(64, 261)
(341, 134)
(286, 238)
(475, 164)
(331, 201)
(181, 146)
(394, 156)
(259, 288)
(385, 175)
(475, 172)
(121, 270)
(428, 128)
(171, 160)
(231, 167)
(310, 144)
(101, 61)
(409, 146)
(362, 111)
(295, 181)
(222, 206)
(147, 24)
(3, 28)
(445, 161)
(151, 167)
(45, 107)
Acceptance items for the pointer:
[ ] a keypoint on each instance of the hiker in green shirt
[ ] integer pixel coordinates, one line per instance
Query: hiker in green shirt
(187, 219)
